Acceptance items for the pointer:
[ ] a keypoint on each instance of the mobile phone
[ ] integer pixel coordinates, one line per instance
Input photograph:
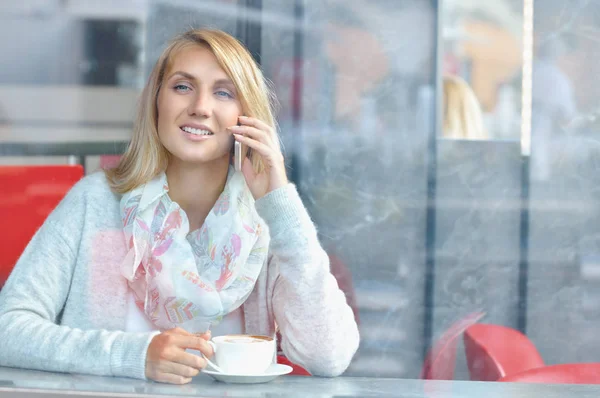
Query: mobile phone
(237, 155)
(240, 152)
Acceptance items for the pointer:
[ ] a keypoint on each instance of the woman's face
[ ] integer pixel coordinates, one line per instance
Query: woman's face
(196, 103)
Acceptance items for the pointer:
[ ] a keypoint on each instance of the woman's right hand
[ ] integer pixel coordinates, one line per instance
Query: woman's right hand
(168, 362)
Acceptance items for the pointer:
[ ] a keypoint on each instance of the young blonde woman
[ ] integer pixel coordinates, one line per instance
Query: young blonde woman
(141, 263)
(463, 117)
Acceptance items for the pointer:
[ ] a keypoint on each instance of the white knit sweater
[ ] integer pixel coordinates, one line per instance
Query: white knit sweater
(64, 306)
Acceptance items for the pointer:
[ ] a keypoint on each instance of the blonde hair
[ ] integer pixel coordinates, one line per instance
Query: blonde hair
(463, 117)
(145, 156)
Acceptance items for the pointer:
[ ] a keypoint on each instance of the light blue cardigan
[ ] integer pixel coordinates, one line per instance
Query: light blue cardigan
(63, 307)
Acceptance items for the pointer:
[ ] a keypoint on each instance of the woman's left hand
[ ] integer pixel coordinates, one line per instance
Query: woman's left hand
(260, 137)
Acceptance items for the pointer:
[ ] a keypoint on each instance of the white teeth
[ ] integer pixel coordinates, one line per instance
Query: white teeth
(196, 131)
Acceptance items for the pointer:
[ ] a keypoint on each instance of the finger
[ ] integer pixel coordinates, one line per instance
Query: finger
(254, 133)
(254, 122)
(180, 369)
(180, 331)
(172, 379)
(194, 342)
(181, 356)
(263, 149)
(191, 360)
(206, 335)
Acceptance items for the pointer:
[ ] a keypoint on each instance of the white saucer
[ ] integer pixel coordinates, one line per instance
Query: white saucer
(274, 371)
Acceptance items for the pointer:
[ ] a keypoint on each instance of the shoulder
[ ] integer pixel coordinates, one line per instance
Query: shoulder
(91, 193)
(93, 186)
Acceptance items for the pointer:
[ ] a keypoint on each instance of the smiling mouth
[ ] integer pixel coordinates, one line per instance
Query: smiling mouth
(194, 131)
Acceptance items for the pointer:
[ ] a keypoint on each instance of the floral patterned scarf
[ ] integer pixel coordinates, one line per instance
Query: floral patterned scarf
(189, 280)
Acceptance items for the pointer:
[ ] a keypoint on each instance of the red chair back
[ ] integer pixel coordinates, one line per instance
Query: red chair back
(441, 359)
(571, 373)
(495, 351)
(29, 194)
(296, 369)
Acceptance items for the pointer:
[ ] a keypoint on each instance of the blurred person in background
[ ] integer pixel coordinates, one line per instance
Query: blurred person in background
(463, 117)
(138, 262)
(553, 108)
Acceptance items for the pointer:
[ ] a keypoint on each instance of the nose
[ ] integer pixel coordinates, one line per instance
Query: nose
(200, 104)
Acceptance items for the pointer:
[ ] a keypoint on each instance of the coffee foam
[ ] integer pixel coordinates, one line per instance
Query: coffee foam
(241, 339)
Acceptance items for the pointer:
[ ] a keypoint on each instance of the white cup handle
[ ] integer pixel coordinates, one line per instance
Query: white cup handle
(209, 362)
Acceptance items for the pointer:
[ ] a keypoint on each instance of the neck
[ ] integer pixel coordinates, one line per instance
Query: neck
(196, 188)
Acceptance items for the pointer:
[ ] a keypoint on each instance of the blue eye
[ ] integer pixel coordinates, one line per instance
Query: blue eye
(223, 94)
(181, 87)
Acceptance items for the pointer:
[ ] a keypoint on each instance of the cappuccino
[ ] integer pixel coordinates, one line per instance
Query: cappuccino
(246, 339)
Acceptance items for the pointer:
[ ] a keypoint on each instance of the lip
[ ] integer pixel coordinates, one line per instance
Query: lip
(197, 126)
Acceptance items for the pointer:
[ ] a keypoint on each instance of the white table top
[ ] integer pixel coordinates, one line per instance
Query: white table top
(26, 383)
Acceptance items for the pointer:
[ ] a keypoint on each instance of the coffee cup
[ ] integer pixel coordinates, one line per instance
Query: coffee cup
(242, 354)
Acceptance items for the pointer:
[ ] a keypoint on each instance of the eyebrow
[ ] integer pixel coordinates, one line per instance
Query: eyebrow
(191, 77)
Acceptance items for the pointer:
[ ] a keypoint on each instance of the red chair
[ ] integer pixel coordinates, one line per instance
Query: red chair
(29, 194)
(296, 369)
(495, 351)
(571, 373)
(440, 360)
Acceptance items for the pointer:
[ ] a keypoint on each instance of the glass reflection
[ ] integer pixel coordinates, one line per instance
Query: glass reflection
(356, 83)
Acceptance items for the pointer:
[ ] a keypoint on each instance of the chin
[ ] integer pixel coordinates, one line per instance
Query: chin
(199, 159)
(192, 160)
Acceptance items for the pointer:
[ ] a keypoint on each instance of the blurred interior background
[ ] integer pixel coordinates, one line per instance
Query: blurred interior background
(422, 227)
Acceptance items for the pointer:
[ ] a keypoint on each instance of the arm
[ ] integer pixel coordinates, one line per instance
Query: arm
(32, 300)
(317, 326)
